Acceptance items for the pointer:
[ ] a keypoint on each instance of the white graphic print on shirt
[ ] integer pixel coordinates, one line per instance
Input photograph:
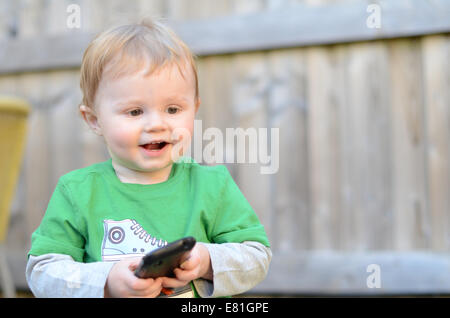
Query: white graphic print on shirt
(126, 239)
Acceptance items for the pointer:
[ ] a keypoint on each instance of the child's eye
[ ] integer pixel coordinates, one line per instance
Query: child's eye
(135, 112)
(172, 110)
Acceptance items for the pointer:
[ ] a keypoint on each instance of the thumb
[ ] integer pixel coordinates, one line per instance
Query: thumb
(186, 257)
(134, 263)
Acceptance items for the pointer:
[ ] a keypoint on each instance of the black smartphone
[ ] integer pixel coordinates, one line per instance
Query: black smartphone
(162, 261)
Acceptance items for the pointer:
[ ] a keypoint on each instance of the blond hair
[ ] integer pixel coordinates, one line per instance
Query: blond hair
(126, 49)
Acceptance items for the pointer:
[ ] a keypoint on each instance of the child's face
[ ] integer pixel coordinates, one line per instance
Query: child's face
(135, 110)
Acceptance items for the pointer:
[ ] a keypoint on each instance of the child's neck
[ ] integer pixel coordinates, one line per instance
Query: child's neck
(127, 175)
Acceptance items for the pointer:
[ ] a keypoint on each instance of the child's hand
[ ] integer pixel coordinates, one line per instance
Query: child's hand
(122, 282)
(196, 265)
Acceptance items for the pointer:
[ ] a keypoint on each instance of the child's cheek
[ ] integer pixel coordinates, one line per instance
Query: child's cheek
(122, 137)
(189, 128)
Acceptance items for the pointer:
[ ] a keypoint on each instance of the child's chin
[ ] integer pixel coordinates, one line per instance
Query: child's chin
(154, 166)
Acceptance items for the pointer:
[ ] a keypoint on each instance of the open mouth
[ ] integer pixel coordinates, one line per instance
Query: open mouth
(155, 146)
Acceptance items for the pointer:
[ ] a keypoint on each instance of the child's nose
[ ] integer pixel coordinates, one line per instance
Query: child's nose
(154, 121)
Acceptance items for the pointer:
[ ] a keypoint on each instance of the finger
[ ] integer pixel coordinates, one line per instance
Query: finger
(185, 257)
(133, 283)
(134, 263)
(152, 288)
(173, 282)
(186, 275)
(190, 263)
(139, 285)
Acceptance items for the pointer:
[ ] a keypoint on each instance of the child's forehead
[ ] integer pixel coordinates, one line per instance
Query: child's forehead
(170, 78)
(126, 66)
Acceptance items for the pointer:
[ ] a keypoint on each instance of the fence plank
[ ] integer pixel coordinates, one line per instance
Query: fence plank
(366, 141)
(249, 90)
(408, 145)
(288, 113)
(331, 272)
(63, 124)
(436, 56)
(37, 168)
(324, 105)
(182, 10)
(215, 112)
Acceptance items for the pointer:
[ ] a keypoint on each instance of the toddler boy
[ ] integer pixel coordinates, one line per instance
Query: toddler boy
(140, 93)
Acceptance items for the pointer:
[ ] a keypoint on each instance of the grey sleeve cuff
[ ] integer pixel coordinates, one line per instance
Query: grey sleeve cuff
(57, 275)
(237, 267)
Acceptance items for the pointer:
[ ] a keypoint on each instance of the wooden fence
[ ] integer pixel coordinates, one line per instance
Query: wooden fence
(363, 117)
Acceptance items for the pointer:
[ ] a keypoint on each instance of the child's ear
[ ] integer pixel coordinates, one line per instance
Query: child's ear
(90, 117)
(197, 104)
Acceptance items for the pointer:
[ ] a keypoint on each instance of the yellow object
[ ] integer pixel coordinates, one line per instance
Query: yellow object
(13, 125)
